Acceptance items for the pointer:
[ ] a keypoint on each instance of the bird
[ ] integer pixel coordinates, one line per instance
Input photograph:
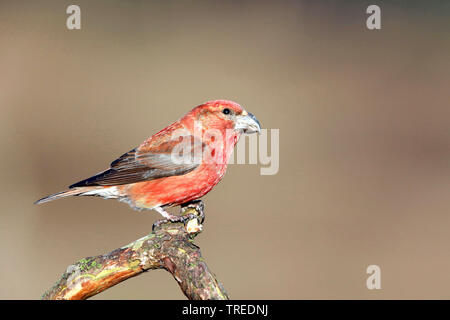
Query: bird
(176, 166)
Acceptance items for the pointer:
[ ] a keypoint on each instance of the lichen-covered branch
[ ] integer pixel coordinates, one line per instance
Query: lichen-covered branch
(170, 246)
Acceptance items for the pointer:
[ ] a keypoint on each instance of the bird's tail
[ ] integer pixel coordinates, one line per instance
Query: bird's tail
(62, 194)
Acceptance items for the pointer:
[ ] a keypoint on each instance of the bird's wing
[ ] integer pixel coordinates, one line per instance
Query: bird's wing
(154, 159)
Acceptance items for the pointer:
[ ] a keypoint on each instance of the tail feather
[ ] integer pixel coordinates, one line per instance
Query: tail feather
(62, 194)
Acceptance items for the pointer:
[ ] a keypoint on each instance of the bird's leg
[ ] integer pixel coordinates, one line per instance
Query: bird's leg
(165, 214)
(171, 217)
(167, 217)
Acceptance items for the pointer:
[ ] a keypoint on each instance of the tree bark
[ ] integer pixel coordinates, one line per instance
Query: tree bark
(170, 246)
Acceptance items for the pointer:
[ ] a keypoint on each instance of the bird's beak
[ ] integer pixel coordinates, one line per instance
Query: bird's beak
(247, 123)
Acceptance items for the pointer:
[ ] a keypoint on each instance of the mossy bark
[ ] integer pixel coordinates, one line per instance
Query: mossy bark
(169, 247)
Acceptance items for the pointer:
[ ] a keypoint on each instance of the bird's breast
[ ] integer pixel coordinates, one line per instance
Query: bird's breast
(174, 190)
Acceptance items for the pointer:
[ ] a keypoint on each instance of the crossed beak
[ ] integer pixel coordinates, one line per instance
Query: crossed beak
(247, 122)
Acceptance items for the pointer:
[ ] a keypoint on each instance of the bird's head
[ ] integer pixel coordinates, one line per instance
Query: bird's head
(225, 114)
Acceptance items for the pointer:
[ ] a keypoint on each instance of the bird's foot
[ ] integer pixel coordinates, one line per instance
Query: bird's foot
(158, 223)
(174, 219)
(190, 211)
(195, 207)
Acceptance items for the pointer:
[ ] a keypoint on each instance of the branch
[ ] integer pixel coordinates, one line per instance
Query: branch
(170, 246)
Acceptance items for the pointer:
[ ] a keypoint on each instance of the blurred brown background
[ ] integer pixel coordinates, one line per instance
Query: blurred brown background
(364, 140)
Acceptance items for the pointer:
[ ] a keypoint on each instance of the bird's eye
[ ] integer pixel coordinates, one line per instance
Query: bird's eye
(226, 111)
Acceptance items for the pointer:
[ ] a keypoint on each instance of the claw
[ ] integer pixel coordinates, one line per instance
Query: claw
(158, 223)
(197, 205)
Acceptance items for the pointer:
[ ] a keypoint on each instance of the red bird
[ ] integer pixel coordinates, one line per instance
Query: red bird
(179, 164)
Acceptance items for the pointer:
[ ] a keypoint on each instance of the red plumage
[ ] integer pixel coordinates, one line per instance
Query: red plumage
(155, 174)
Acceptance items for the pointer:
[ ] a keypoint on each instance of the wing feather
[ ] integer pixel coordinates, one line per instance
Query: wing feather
(149, 161)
